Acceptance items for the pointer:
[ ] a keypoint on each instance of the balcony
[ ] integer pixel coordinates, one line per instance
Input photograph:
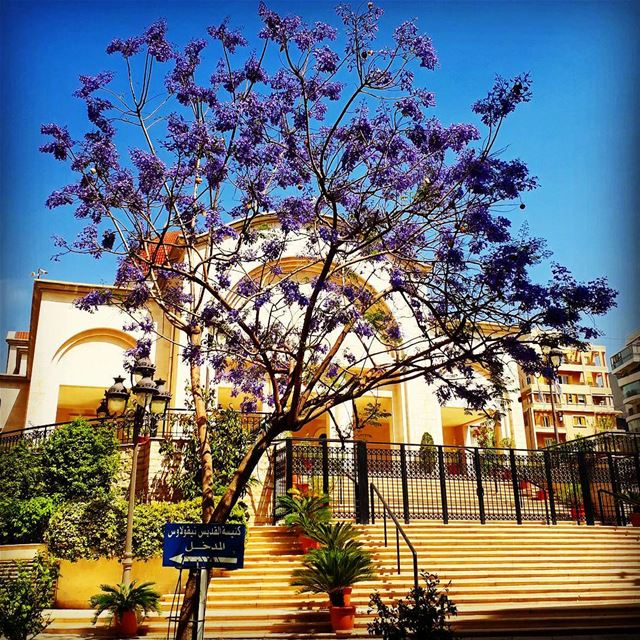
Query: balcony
(626, 358)
(549, 428)
(630, 391)
(634, 424)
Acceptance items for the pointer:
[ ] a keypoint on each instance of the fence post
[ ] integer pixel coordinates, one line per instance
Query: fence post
(585, 486)
(614, 489)
(514, 482)
(443, 486)
(636, 458)
(274, 497)
(325, 466)
(405, 482)
(362, 475)
(288, 464)
(547, 469)
(479, 489)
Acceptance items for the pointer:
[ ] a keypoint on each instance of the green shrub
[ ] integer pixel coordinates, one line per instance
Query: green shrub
(149, 520)
(229, 439)
(80, 460)
(97, 528)
(427, 453)
(25, 596)
(91, 529)
(23, 521)
(21, 473)
(423, 613)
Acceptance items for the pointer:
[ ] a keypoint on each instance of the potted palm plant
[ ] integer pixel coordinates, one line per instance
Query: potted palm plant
(333, 571)
(125, 603)
(302, 512)
(337, 535)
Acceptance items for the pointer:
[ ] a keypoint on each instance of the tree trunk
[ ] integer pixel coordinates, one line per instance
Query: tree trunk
(208, 502)
(219, 514)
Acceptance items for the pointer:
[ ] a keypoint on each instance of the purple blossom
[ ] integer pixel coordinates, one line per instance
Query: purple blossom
(408, 39)
(180, 80)
(126, 48)
(503, 98)
(137, 297)
(93, 300)
(151, 170)
(396, 279)
(157, 45)
(64, 196)
(231, 39)
(326, 60)
(93, 83)
(277, 28)
(61, 143)
(253, 70)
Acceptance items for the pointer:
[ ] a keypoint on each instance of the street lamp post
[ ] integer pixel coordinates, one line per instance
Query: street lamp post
(554, 360)
(150, 397)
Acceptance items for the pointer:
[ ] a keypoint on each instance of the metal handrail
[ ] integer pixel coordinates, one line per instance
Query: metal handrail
(123, 423)
(621, 519)
(399, 532)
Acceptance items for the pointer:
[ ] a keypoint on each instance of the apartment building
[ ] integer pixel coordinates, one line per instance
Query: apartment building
(582, 399)
(625, 366)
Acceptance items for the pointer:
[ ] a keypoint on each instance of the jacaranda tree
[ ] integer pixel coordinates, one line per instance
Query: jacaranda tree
(306, 224)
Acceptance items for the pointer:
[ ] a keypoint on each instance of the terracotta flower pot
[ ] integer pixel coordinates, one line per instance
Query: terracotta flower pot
(127, 624)
(346, 594)
(577, 513)
(306, 543)
(524, 485)
(541, 494)
(342, 619)
(635, 519)
(453, 468)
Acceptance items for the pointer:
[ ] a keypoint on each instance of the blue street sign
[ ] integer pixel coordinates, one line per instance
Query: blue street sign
(200, 546)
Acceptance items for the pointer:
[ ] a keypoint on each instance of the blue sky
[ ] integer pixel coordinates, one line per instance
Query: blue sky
(579, 135)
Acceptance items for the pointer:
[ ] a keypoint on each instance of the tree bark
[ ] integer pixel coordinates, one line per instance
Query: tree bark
(222, 510)
(208, 502)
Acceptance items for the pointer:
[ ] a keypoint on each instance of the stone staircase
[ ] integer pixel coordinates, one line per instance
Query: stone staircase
(505, 578)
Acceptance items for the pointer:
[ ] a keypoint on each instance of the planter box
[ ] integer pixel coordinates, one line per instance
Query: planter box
(80, 580)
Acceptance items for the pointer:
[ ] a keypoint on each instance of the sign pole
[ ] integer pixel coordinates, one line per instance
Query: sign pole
(202, 602)
(196, 611)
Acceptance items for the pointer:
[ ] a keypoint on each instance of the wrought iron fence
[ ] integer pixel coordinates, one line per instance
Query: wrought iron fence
(605, 441)
(445, 483)
(176, 424)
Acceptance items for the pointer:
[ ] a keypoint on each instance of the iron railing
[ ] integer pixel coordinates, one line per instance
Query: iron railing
(454, 483)
(618, 508)
(399, 531)
(605, 441)
(176, 424)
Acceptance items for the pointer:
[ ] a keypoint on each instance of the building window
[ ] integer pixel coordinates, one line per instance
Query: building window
(596, 360)
(545, 421)
(582, 399)
(548, 442)
(563, 379)
(579, 421)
